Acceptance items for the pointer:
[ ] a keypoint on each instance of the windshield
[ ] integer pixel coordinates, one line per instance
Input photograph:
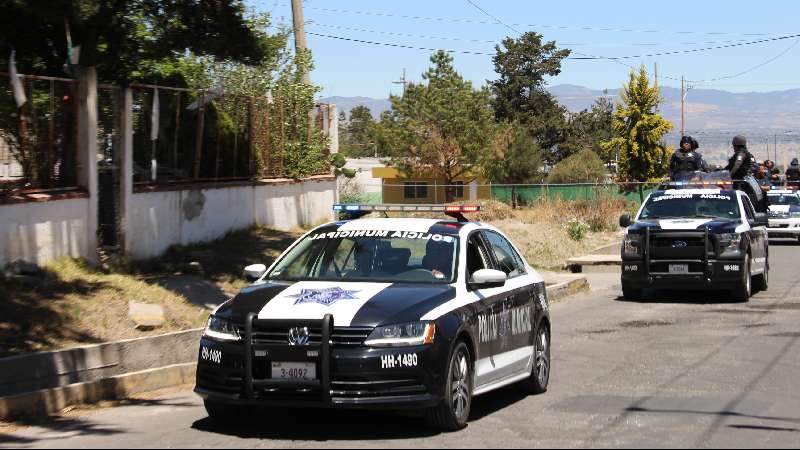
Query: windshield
(370, 256)
(691, 206)
(784, 200)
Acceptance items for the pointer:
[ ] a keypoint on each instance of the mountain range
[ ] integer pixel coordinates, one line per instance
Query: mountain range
(712, 116)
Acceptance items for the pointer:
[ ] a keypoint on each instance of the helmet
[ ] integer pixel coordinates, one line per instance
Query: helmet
(693, 144)
(740, 141)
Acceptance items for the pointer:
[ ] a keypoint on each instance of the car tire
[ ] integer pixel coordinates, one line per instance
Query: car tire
(452, 413)
(761, 282)
(540, 374)
(743, 292)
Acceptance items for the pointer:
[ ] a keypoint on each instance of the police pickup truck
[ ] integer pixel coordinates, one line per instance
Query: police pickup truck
(700, 237)
(784, 214)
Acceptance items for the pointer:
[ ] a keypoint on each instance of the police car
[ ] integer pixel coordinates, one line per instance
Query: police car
(784, 214)
(381, 313)
(696, 237)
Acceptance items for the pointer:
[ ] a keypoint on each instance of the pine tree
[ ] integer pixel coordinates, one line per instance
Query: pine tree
(444, 126)
(639, 133)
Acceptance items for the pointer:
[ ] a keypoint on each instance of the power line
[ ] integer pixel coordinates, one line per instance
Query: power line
(547, 26)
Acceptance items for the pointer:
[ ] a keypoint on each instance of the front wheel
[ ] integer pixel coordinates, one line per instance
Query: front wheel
(761, 282)
(744, 290)
(453, 412)
(631, 294)
(225, 414)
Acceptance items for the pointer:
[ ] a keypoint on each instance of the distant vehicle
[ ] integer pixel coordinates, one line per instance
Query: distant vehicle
(696, 237)
(784, 214)
(414, 314)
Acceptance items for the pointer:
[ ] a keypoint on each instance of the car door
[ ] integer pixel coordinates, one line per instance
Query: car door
(759, 238)
(513, 350)
(494, 304)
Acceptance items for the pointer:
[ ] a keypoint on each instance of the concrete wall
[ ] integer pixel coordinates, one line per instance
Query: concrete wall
(42, 231)
(156, 221)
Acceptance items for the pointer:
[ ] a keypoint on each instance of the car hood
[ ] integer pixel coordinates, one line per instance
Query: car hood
(351, 304)
(713, 225)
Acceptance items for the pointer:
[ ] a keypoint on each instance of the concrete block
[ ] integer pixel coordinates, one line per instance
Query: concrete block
(146, 317)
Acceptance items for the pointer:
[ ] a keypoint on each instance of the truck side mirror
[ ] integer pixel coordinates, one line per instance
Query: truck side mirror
(625, 221)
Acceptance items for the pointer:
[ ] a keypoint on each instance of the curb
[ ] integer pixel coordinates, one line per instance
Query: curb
(47, 402)
(561, 291)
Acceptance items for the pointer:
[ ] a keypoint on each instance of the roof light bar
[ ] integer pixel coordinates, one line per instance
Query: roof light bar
(456, 211)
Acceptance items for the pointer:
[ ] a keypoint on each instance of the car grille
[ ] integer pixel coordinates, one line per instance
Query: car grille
(678, 246)
(343, 337)
(363, 388)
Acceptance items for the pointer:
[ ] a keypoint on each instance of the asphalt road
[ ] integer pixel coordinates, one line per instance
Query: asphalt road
(676, 371)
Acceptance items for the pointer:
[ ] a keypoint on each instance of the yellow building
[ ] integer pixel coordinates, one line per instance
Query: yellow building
(425, 188)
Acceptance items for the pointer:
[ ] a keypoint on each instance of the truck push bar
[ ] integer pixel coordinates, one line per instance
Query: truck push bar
(319, 354)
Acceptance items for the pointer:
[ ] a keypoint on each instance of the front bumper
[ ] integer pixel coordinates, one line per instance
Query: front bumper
(358, 377)
(711, 275)
(786, 228)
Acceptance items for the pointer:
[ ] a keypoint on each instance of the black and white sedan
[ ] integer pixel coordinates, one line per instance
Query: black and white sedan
(381, 313)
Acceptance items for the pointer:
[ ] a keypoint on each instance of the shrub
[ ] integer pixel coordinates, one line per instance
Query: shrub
(583, 167)
(577, 229)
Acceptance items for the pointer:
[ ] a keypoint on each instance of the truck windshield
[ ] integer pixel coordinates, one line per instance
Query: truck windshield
(370, 256)
(784, 200)
(691, 206)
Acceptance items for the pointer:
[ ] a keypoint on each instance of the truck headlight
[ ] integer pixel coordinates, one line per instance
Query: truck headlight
(403, 335)
(221, 330)
(730, 245)
(633, 245)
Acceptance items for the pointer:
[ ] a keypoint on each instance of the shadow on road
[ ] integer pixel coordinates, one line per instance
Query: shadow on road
(327, 425)
(684, 297)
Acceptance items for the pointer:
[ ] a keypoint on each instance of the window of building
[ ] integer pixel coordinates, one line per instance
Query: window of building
(415, 189)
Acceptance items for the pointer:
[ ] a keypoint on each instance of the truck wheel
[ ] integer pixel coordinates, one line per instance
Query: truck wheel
(453, 412)
(761, 282)
(744, 290)
(631, 294)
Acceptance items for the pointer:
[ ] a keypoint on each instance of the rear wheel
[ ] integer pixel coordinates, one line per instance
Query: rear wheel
(744, 290)
(761, 282)
(453, 412)
(540, 375)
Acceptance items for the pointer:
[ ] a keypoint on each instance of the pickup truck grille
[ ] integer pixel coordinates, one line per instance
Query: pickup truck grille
(680, 246)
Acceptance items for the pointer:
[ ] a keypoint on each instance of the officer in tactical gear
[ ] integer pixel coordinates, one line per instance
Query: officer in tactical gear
(793, 174)
(687, 161)
(742, 163)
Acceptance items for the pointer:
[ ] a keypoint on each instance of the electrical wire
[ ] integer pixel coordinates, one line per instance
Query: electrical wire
(546, 26)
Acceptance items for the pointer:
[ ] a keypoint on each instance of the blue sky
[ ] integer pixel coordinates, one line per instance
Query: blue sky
(631, 28)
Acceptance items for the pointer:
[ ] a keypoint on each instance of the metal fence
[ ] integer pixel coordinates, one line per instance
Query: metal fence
(38, 142)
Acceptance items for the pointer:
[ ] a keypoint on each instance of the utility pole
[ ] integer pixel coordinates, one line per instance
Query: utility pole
(403, 81)
(683, 107)
(300, 43)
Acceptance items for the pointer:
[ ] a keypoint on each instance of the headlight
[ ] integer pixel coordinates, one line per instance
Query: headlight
(404, 335)
(221, 330)
(633, 245)
(730, 245)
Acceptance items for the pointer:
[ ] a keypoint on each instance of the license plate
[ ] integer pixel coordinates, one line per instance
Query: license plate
(679, 269)
(294, 371)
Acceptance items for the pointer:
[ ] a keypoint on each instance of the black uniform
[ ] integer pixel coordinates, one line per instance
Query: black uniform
(741, 164)
(684, 162)
(793, 173)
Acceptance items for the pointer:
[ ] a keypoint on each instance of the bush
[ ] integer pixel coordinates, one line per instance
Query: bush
(583, 167)
(577, 229)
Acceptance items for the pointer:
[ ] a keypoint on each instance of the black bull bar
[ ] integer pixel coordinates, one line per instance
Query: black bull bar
(320, 354)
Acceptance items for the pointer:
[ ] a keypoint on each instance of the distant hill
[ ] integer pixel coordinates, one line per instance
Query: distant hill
(377, 106)
(713, 116)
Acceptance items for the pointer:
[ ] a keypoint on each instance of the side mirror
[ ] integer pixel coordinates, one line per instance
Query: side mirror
(625, 221)
(762, 220)
(487, 278)
(255, 272)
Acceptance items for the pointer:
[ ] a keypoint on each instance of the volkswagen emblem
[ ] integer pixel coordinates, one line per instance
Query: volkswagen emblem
(299, 336)
(680, 244)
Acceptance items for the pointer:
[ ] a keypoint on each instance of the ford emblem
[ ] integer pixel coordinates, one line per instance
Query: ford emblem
(680, 244)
